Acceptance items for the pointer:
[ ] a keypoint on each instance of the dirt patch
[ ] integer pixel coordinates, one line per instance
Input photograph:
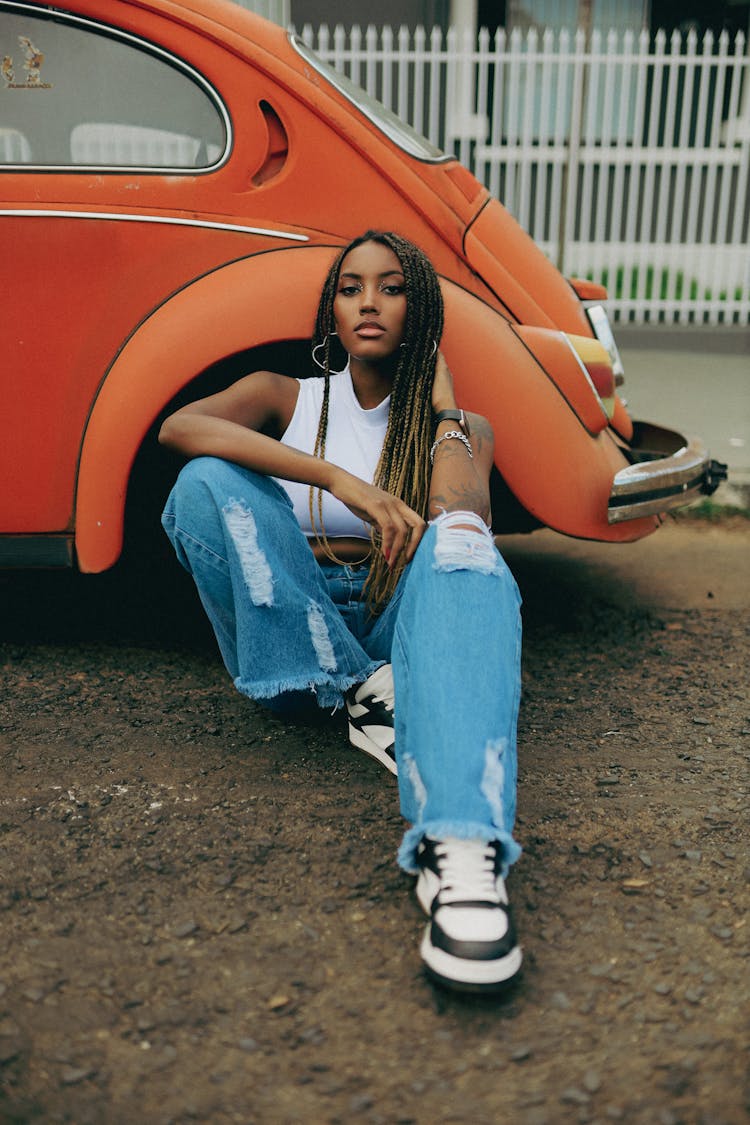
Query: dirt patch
(202, 916)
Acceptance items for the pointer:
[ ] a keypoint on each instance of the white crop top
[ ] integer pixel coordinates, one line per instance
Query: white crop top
(354, 442)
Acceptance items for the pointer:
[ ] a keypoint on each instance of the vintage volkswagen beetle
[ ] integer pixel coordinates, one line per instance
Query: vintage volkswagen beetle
(174, 180)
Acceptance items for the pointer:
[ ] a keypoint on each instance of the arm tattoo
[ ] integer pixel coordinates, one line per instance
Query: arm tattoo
(462, 498)
(480, 430)
(462, 485)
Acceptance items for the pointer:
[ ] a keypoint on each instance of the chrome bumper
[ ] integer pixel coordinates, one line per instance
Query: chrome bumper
(669, 471)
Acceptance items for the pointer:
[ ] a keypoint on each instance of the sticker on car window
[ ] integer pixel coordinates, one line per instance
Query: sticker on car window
(33, 61)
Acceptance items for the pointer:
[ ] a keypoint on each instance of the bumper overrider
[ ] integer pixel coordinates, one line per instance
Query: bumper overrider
(667, 472)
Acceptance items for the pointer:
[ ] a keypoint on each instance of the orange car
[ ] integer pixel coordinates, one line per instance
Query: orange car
(168, 173)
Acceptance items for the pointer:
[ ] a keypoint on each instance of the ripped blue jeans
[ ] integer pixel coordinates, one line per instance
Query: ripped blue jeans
(290, 629)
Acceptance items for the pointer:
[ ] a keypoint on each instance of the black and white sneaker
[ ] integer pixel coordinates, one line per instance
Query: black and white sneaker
(370, 707)
(470, 943)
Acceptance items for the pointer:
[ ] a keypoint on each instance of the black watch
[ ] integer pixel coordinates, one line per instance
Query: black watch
(454, 416)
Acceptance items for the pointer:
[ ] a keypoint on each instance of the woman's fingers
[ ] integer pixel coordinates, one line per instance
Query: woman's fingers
(401, 531)
(400, 527)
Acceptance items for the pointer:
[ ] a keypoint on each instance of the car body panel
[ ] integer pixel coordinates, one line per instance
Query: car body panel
(58, 370)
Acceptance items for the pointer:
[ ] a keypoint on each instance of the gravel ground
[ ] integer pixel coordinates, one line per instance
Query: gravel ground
(202, 919)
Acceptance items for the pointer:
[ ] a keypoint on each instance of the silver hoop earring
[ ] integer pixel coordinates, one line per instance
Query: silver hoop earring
(322, 344)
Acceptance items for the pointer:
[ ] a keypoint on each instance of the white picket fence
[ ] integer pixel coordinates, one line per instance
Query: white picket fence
(627, 160)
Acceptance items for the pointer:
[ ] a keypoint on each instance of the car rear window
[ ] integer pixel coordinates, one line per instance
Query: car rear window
(75, 94)
(394, 128)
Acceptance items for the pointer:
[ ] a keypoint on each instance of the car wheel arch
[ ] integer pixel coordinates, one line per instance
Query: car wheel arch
(231, 310)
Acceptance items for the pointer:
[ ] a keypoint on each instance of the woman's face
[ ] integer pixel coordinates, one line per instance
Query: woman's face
(370, 303)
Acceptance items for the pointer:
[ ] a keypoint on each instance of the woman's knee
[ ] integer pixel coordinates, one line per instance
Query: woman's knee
(212, 484)
(206, 475)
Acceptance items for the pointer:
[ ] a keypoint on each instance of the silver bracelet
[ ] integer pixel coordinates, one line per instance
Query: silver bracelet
(445, 437)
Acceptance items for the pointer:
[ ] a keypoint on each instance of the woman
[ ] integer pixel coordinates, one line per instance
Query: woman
(336, 529)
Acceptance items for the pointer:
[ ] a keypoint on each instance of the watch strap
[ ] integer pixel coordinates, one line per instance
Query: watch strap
(457, 415)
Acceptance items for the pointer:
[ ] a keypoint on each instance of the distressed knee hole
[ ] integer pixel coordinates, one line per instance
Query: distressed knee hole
(464, 542)
(320, 637)
(255, 569)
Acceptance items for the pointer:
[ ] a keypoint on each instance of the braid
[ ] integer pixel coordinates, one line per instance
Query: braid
(404, 466)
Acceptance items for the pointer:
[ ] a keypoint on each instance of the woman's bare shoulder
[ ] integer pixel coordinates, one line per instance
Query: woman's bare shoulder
(262, 400)
(276, 393)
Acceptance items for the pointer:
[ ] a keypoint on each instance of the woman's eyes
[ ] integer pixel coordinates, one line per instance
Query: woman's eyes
(389, 290)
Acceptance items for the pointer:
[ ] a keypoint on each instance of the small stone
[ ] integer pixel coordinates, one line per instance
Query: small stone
(694, 855)
(645, 859)
(74, 1074)
(574, 1096)
(560, 1001)
(693, 996)
(185, 929)
(277, 1002)
(360, 1103)
(521, 1053)
(632, 886)
(592, 1081)
(702, 722)
(248, 1044)
(663, 988)
(723, 932)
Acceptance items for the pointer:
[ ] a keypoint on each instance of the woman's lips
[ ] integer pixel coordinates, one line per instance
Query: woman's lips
(370, 331)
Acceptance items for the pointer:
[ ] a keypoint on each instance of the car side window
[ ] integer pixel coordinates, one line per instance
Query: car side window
(74, 94)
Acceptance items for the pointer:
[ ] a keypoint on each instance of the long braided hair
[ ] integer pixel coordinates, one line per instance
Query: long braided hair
(404, 466)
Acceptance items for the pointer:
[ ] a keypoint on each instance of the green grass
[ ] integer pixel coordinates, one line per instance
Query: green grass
(659, 285)
(710, 511)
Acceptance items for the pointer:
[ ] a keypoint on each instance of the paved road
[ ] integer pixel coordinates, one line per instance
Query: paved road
(697, 382)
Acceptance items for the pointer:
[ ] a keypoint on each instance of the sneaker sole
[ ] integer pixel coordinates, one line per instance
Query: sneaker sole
(359, 739)
(470, 976)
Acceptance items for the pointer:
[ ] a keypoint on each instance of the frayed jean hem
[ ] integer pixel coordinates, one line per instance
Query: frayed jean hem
(465, 830)
(326, 690)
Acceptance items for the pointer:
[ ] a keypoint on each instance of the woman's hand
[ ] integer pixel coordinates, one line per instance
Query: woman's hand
(443, 394)
(399, 526)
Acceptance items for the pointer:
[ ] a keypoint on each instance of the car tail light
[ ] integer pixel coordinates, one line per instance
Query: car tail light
(597, 361)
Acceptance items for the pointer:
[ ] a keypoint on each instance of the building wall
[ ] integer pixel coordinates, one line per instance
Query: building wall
(394, 13)
(703, 15)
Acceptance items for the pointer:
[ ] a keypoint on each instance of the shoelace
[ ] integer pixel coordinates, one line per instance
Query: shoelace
(467, 871)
